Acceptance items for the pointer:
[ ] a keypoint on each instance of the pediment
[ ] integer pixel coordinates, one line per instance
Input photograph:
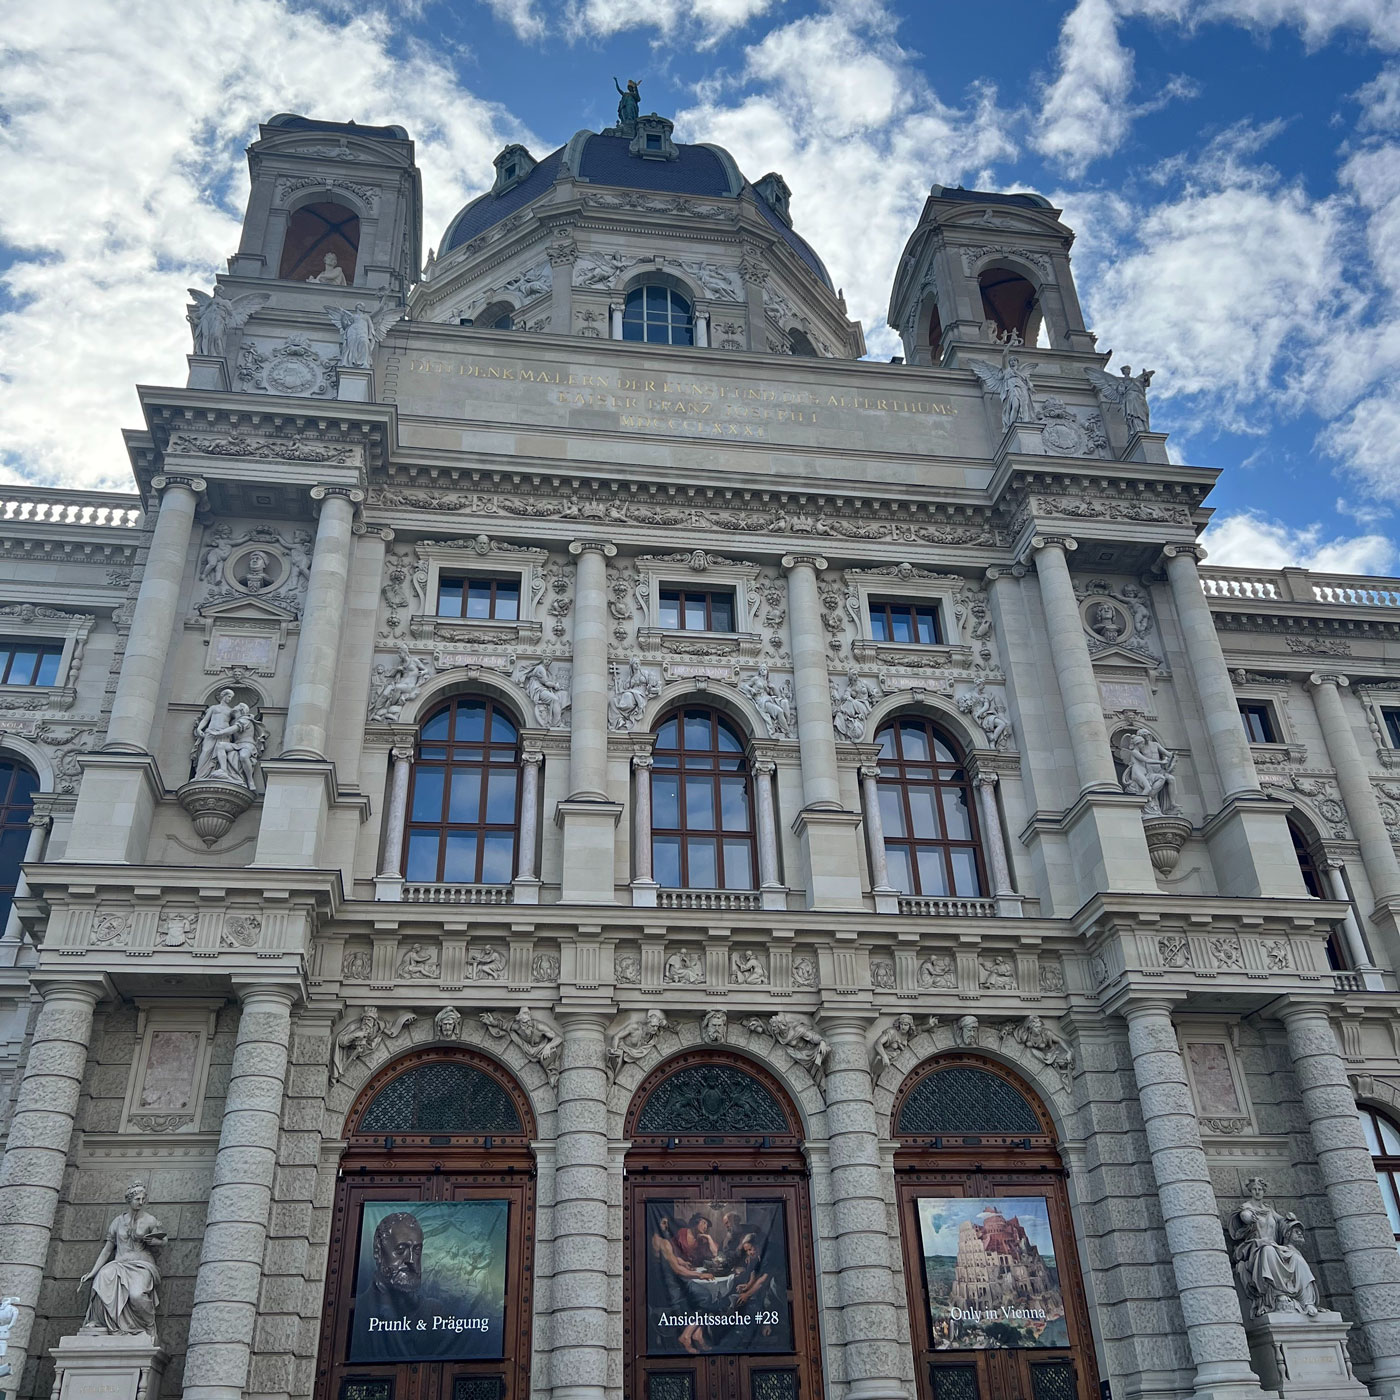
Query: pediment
(245, 607)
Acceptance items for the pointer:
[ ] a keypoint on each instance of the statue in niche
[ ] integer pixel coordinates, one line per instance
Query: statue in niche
(1127, 393)
(331, 273)
(1149, 771)
(629, 102)
(775, 702)
(364, 1035)
(1011, 383)
(228, 742)
(214, 317)
(851, 707)
(393, 687)
(1271, 1269)
(892, 1042)
(1106, 622)
(257, 578)
(361, 330)
(125, 1280)
(635, 1041)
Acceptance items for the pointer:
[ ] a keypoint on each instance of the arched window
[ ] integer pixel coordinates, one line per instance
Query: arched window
(1383, 1138)
(1304, 849)
(932, 845)
(312, 232)
(1009, 301)
(464, 802)
(701, 804)
(935, 333)
(800, 343)
(17, 785)
(498, 316)
(659, 315)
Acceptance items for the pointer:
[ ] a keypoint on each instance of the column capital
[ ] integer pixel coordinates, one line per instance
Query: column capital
(1297, 1007)
(1135, 1008)
(531, 758)
(195, 484)
(1004, 571)
(71, 987)
(642, 762)
(403, 753)
(326, 490)
(582, 1019)
(794, 561)
(604, 547)
(250, 992)
(1065, 543)
(763, 767)
(378, 532)
(869, 770)
(1193, 551)
(1332, 678)
(985, 778)
(841, 1023)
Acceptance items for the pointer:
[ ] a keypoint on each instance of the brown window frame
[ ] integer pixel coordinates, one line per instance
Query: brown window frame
(1385, 1164)
(450, 762)
(15, 812)
(1251, 710)
(884, 608)
(467, 580)
(942, 777)
(723, 762)
(1390, 717)
(41, 648)
(682, 596)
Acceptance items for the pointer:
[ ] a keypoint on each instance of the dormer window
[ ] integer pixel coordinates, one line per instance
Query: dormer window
(653, 139)
(512, 166)
(653, 142)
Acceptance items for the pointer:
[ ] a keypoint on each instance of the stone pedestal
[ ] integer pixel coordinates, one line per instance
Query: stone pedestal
(1303, 1358)
(355, 385)
(590, 830)
(96, 1366)
(207, 372)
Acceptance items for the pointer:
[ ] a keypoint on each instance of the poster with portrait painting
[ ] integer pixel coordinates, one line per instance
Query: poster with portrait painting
(431, 1281)
(990, 1273)
(717, 1278)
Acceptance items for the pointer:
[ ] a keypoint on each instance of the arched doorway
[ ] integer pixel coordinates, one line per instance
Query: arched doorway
(719, 1290)
(996, 1302)
(428, 1284)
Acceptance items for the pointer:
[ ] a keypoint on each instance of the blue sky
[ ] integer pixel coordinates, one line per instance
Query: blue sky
(1232, 168)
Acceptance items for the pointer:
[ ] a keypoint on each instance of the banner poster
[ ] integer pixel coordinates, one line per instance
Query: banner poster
(431, 1283)
(717, 1278)
(990, 1273)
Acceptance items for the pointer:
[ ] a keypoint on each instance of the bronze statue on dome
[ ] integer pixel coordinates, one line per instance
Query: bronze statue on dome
(630, 104)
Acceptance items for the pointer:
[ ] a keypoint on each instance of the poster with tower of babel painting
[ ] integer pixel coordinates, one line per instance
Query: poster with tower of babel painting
(990, 1273)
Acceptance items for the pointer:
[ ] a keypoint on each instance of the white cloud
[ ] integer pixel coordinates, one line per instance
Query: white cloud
(711, 20)
(1249, 540)
(121, 183)
(521, 15)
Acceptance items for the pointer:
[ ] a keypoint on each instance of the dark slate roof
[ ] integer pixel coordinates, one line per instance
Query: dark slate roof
(289, 121)
(962, 196)
(795, 241)
(490, 209)
(698, 170)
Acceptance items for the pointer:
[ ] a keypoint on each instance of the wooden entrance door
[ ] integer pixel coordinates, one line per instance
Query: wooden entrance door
(719, 1290)
(997, 1306)
(428, 1284)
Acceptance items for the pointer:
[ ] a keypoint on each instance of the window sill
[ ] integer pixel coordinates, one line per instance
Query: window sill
(924, 654)
(684, 642)
(37, 697)
(479, 630)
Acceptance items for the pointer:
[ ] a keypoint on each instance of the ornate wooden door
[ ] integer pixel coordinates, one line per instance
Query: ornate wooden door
(996, 1300)
(428, 1284)
(719, 1289)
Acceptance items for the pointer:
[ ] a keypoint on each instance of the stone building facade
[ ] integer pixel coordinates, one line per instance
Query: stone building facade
(561, 749)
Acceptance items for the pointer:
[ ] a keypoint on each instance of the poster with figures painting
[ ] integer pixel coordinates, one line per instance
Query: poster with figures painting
(990, 1273)
(717, 1278)
(431, 1282)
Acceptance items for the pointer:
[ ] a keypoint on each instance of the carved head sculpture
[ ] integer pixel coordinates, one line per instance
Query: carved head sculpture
(1256, 1188)
(398, 1255)
(1034, 1026)
(965, 1030)
(136, 1195)
(330, 261)
(904, 1025)
(713, 1025)
(655, 1019)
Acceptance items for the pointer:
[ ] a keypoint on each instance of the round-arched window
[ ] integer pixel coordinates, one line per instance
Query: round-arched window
(17, 787)
(658, 315)
(1383, 1138)
(464, 800)
(701, 804)
(315, 230)
(932, 844)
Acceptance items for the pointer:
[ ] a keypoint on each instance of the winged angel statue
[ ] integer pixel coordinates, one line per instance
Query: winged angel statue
(1011, 382)
(1127, 393)
(361, 330)
(214, 317)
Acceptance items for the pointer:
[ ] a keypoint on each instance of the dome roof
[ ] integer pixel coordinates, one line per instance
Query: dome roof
(703, 170)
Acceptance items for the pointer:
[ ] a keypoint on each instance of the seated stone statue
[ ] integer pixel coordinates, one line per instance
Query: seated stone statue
(1271, 1270)
(125, 1279)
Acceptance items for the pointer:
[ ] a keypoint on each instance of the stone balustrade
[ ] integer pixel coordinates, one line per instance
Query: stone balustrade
(1300, 586)
(37, 505)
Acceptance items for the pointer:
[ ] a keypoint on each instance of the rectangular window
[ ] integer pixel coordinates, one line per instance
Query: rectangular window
(29, 663)
(1392, 727)
(496, 598)
(916, 623)
(1258, 722)
(697, 610)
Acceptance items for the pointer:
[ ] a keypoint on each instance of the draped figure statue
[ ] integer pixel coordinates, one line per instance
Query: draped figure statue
(1270, 1267)
(125, 1279)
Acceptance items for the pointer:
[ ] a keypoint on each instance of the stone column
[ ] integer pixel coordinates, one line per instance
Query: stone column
(1200, 1262)
(821, 784)
(1074, 669)
(588, 735)
(1357, 950)
(579, 1292)
(153, 621)
(33, 852)
(388, 884)
(772, 891)
(876, 1336)
(527, 884)
(231, 1258)
(1229, 743)
(323, 614)
(31, 1173)
(1349, 1178)
(614, 322)
(702, 330)
(886, 896)
(643, 879)
(1354, 780)
(998, 867)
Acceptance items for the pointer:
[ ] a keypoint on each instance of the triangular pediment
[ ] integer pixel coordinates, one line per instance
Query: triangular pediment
(245, 607)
